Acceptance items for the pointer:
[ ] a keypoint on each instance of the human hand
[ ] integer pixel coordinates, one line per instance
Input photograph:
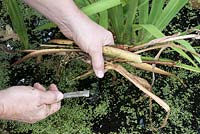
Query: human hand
(29, 104)
(74, 24)
(90, 37)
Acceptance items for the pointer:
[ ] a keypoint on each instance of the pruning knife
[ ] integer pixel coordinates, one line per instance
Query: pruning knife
(77, 94)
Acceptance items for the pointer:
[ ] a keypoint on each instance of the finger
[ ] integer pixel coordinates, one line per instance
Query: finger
(109, 40)
(50, 97)
(39, 86)
(53, 87)
(48, 110)
(98, 62)
(54, 108)
(43, 112)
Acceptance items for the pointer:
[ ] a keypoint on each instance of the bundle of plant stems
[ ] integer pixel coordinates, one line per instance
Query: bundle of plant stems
(114, 55)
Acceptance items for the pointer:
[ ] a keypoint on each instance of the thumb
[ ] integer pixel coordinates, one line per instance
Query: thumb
(50, 97)
(98, 62)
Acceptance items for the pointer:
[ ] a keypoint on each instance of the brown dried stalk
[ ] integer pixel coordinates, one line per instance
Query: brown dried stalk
(8, 34)
(128, 57)
(143, 85)
(61, 41)
(115, 52)
(164, 40)
(36, 53)
(171, 45)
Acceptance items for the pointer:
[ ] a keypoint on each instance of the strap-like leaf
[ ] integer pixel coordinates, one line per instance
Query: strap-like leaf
(17, 19)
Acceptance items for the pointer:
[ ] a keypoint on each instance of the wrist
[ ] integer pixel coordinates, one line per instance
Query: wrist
(62, 12)
(72, 17)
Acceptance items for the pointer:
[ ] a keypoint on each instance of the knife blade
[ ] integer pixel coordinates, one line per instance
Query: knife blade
(77, 94)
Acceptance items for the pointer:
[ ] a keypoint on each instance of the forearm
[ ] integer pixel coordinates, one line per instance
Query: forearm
(74, 24)
(61, 12)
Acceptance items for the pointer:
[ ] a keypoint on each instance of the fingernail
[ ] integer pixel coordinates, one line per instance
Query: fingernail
(99, 74)
(59, 96)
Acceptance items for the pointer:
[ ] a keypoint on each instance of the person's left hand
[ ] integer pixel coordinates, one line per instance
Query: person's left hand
(74, 24)
(90, 37)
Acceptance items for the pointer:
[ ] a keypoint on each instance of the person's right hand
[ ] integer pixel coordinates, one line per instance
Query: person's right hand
(29, 104)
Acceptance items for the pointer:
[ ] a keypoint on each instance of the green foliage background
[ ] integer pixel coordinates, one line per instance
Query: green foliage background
(115, 106)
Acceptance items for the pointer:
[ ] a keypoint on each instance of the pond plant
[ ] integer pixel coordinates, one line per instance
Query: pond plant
(139, 27)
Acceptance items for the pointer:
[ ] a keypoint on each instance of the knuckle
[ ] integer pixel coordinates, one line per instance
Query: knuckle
(110, 35)
(41, 97)
(109, 39)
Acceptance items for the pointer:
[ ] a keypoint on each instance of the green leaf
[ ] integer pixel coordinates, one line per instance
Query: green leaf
(91, 9)
(100, 6)
(187, 45)
(169, 12)
(156, 10)
(116, 15)
(183, 54)
(154, 31)
(132, 7)
(103, 19)
(17, 20)
(187, 67)
(143, 16)
(143, 11)
(164, 17)
(45, 26)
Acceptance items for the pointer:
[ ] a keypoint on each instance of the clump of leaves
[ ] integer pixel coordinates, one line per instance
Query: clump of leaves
(145, 23)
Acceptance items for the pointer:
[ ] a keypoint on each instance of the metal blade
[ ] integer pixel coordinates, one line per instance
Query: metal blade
(77, 94)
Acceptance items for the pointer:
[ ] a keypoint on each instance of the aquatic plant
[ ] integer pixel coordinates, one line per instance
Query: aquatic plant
(138, 25)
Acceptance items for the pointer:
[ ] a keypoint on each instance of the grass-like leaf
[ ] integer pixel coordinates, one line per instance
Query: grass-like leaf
(187, 45)
(132, 6)
(100, 6)
(143, 16)
(143, 11)
(163, 17)
(188, 67)
(45, 26)
(17, 19)
(94, 8)
(169, 12)
(103, 19)
(154, 31)
(156, 10)
(116, 16)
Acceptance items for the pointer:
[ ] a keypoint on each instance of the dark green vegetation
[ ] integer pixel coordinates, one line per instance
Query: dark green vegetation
(115, 106)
